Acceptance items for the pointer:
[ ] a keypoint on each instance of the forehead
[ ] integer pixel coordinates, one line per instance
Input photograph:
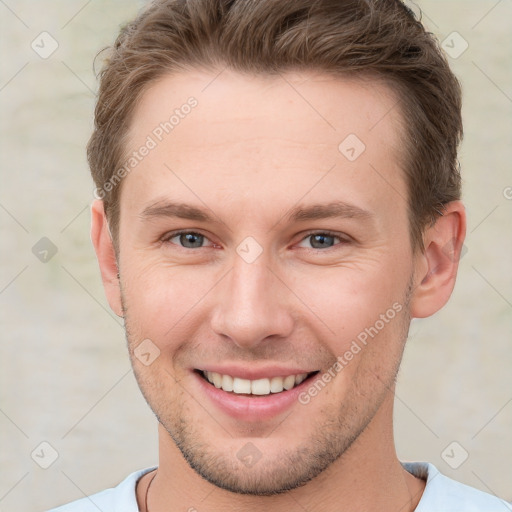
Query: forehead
(269, 138)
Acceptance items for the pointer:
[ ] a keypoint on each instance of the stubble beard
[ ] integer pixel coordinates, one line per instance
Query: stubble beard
(275, 473)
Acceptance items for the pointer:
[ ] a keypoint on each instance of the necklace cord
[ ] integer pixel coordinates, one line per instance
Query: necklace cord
(147, 492)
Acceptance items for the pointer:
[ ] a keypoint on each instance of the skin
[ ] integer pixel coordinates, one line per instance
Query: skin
(252, 150)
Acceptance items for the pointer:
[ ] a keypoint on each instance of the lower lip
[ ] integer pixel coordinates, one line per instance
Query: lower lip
(252, 408)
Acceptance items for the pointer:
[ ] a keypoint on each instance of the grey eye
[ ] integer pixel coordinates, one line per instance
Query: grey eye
(190, 240)
(320, 241)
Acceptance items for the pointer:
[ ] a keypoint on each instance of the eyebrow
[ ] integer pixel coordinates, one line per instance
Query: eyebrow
(334, 209)
(180, 210)
(339, 209)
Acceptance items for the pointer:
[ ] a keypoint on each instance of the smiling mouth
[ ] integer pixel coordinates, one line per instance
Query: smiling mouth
(257, 387)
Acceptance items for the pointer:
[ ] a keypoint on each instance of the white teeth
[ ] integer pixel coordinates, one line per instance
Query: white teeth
(260, 387)
(289, 382)
(300, 378)
(276, 384)
(227, 383)
(241, 385)
(217, 379)
(255, 387)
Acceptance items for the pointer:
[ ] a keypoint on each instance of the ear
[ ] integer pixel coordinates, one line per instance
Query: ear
(104, 247)
(436, 268)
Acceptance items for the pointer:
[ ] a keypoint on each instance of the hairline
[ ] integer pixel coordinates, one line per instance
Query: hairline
(390, 86)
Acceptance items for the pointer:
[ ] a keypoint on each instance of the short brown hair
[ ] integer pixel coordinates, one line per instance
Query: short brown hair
(380, 38)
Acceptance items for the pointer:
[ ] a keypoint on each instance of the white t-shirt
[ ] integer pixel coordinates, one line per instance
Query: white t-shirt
(441, 494)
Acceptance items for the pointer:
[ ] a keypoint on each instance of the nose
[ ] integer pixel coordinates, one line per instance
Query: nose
(252, 305)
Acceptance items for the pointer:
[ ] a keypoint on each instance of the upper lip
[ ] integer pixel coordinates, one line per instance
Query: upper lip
(252, 373)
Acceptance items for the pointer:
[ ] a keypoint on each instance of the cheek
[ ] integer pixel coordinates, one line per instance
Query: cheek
(161, 298)
(366, 312)
(349, 301)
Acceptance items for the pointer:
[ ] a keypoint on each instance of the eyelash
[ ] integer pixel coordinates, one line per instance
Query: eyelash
(342, 241)
(169, 236)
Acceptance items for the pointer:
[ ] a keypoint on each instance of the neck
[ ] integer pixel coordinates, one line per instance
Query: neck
(368, 476)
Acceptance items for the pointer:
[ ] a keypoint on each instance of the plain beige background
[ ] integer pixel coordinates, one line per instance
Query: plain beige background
(65, 378)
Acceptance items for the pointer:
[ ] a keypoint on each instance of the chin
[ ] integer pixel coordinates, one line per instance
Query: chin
(266, 472)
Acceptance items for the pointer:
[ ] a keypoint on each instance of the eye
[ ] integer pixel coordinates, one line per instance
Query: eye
(186, 239)
(321, 240)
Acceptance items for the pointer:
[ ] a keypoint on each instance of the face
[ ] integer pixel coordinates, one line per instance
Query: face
(261, 249)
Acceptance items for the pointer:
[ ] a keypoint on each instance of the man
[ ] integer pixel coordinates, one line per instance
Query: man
(278, 196)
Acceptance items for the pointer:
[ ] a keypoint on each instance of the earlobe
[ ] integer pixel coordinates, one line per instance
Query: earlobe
(105, 252)
(436, 268)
